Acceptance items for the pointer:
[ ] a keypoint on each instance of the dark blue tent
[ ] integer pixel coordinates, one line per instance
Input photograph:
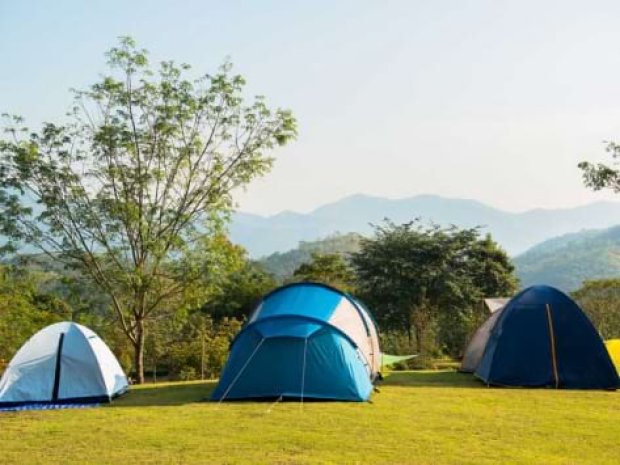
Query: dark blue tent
(303, 340)
(542, 338)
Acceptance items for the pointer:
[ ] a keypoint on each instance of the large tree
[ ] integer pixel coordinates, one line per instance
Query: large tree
(145, 168)
(415, 276)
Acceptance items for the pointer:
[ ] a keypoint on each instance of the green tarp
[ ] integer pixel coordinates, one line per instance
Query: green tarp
(387, 359)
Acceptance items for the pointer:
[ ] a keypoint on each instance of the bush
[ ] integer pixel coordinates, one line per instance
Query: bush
(188, 374)
(200, 348)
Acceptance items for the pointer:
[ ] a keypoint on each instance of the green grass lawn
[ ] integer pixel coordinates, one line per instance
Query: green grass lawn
(417, 418)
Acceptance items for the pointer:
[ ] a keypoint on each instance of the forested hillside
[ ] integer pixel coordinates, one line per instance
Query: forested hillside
(567, 261)
(282, 265)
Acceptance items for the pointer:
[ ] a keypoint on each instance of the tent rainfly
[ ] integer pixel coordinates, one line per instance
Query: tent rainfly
(541, 338)
(303, 340)
(64, 363)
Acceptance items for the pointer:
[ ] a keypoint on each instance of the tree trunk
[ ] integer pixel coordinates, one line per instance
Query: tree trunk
(139, 353)
(419, 337)
(420, 320)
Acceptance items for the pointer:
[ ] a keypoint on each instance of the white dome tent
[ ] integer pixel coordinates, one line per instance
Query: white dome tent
(64, 363)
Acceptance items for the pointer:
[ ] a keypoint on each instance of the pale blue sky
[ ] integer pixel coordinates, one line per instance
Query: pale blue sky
(491, 100)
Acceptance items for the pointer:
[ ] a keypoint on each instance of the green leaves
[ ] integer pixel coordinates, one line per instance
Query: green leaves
(600, 176)
(126, 56)
(24, 309)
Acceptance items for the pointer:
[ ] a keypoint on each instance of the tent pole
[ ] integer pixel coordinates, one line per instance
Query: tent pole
(245, 365)
(554, 360)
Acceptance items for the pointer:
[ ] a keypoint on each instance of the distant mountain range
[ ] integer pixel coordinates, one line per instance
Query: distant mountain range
(516, 232)
(566, 261)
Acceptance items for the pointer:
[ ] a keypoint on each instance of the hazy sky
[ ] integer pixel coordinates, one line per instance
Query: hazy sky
(491, 100)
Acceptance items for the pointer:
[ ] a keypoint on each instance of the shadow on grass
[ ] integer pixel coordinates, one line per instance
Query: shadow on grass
(166, 394)
(438, 379)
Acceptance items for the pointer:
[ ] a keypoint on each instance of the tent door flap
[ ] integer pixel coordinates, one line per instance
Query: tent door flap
(57, 370)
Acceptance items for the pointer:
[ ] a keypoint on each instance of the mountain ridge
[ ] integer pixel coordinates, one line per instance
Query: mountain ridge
(515, 231)
(567, 261)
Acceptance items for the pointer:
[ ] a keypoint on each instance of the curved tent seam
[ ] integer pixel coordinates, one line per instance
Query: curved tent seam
(286, 316)
(360, 308)
(318, 321)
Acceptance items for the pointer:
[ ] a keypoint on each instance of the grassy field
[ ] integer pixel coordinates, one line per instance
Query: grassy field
(417, 418)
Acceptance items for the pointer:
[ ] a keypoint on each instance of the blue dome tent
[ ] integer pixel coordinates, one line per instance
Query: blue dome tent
(542, 338)
(303, 340)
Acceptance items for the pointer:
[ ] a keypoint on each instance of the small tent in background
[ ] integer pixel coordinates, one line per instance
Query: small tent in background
(542, 338)
(613, 347)
(304, 340)
(478, 342)
(496, 303)
(63, 363)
